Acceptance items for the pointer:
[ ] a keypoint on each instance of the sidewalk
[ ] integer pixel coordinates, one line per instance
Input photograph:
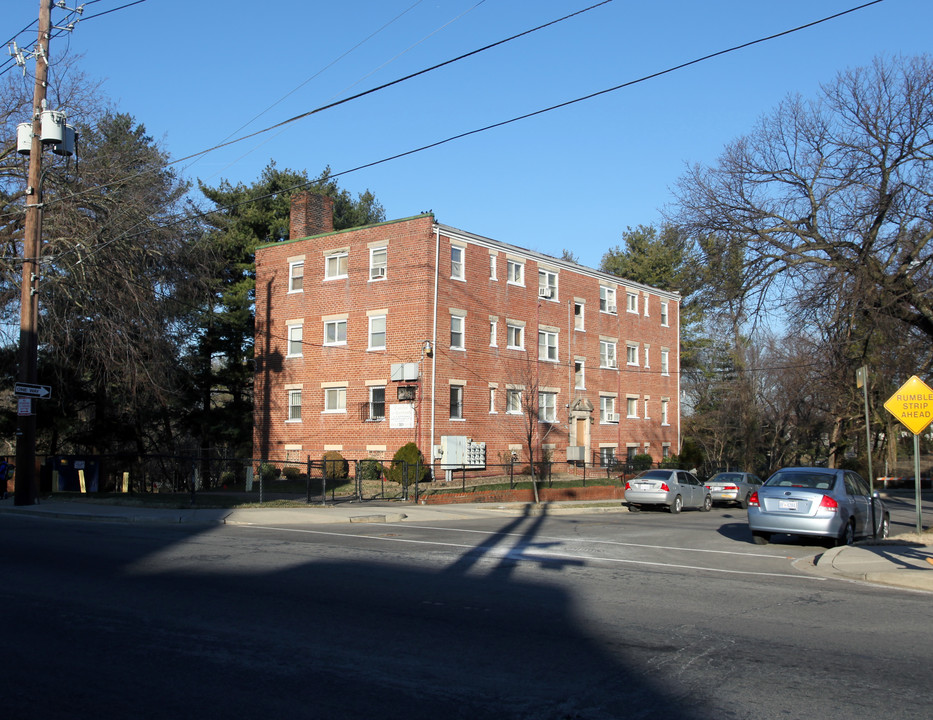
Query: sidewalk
(902, 562)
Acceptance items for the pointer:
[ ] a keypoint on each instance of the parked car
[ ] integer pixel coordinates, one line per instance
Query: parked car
(733, 487)
(823, 502)
(677, 489)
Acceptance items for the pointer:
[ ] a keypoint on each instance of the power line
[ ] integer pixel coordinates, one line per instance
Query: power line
(459, 136)
(6, 65)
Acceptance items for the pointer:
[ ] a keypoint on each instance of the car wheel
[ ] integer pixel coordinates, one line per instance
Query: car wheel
(847, 536)
(744, 502)
(707, 504)
(634, 508)
(676, 506)
(885, 526)
(761, 538)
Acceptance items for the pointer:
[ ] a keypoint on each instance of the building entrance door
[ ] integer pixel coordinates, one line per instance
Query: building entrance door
(583, 425)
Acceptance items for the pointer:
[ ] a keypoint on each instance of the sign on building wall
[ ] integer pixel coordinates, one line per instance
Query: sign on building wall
(401, 416)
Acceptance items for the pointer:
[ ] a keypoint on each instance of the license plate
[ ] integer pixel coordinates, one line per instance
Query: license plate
(787, 504)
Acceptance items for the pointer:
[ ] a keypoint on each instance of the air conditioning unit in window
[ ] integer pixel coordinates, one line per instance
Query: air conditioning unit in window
(376, 273)
(612, 417)
(544, 292)
(611, 308)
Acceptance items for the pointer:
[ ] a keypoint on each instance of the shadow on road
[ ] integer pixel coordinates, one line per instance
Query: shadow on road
(162, 622)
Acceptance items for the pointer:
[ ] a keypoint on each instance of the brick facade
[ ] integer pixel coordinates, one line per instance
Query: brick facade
(478, 322)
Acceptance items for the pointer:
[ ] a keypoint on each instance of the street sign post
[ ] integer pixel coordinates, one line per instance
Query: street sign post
(912, 405)
(41, 392)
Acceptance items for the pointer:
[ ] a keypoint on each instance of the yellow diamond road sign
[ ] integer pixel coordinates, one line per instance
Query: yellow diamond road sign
(912, 404)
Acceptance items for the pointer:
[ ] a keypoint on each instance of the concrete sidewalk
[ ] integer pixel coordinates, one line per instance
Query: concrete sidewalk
(902, 562)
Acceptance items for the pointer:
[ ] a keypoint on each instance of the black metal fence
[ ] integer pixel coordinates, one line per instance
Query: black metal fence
(317, 481)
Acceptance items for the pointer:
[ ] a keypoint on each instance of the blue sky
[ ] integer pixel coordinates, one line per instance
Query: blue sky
(197, 72)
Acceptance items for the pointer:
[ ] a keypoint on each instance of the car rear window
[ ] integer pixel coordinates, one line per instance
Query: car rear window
(655, 474)
(811, 480)
(727, 477)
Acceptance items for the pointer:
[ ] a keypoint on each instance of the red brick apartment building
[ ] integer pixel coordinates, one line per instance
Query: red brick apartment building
(413, 331)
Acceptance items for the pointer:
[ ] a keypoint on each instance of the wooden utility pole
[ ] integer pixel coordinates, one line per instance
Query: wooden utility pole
(26, 483)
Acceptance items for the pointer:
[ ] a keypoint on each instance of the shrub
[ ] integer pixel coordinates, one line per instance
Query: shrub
(292, 473)
(335, 467)
(409, 455)
(641, 462)
(371, 469)
(268, 472)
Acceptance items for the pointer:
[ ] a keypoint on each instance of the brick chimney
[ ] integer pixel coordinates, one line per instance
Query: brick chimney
(310, 215)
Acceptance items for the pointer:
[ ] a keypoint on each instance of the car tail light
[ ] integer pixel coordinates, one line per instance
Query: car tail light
(665, 488)
(753, 499)
(628, 485)
(729, 487)
(828, 503)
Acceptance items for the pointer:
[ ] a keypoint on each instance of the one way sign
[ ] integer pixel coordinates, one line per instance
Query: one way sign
(42, 392)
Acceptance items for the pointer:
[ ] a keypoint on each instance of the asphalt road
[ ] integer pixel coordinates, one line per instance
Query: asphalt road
(592, 616)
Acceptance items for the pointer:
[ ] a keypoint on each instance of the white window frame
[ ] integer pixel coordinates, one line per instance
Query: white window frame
(607, 455)
(493, 267)
(458, 327)
(631, 407)
(665, 361)
(607, 348)
(336, 396)
(547, 406)
(335, 324)
(607, 407)
(631, 301)
(547, 279)
(631, 354)
(456, 402)
(295, 340)
(493, 331)
(607, 299)
(373, 389)
(515, 272)
(333, 273)
(579, 317)
(374, 333)
(664, 314)
(457, 262)
(378, 267)
(296, 276)
(513, 401)
(579, 375)
(665, 407)
(548, 350)
(492, 400)
(294, 405)
(515, 331)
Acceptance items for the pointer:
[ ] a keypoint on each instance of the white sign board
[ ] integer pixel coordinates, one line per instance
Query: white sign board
(401, 416)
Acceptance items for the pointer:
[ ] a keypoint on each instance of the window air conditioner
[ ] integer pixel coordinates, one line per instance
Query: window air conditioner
(611, 308)
(544, 292)
(612, 417)
(377, 272)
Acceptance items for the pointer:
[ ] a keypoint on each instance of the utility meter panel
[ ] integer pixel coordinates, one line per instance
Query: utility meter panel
(458, 451)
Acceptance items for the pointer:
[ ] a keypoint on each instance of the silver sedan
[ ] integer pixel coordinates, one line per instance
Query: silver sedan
(733, 487)
(676, 489)
(823, 502)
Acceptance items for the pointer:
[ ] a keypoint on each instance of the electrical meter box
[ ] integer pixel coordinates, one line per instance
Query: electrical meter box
(459, 451)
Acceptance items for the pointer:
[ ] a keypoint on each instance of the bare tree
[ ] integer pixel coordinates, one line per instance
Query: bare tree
(118, 269)
(840, 187)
